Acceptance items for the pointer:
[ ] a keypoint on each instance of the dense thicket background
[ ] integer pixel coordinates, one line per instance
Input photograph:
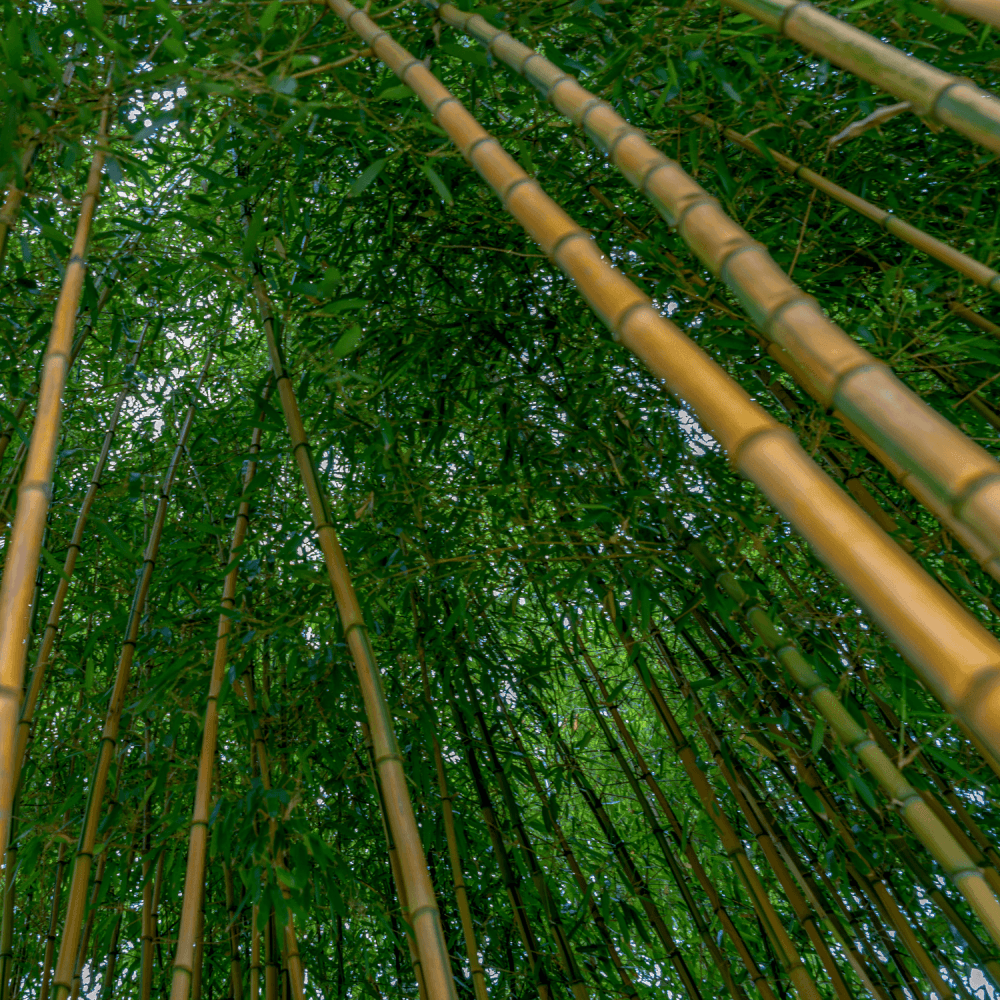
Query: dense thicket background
(500, 472)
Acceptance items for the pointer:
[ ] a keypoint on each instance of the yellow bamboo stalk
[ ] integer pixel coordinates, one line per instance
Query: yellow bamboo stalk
(194, 876)
(109, 736)
(957, 479)
(987, 11)
(69, 565)
(957, 658)
(974, 318)
(434, 958)
(24, 546)
(933, 94)
(885, 220)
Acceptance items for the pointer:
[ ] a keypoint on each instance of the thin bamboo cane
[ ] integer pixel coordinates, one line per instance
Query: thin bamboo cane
(15, 194)
(255, 954)
(974, 318)
(23, 549)
(633, 877)
(69, 565)
(770, 921)
(235, 965)
(476, 972)
(50, 938)
(547, 802)
(506, 870)
(431, 945)
(871, 402)
(273, 956)
(921, 819)
(550, 906)
(768, 840)
(194, 877)
(957, 658)
(719, 960)
(109, 737)
(885, 220)
(107, 988)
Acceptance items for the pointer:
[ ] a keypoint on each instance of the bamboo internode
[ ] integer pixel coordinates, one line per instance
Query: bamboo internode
(956, 657)
(24, 548)
(958, 477)
(421, 903)
(933, 94)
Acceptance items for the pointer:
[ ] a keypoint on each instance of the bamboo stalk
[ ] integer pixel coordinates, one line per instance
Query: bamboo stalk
(397, 878)
(194, 878)
(23, 549)
(633, 877)
(550, 906)
(933, 94)
(107, 988)
(476, 972)
(434, 957)
(236, 971)
(887, 221)
(109, 737)
(987, 11)
(871, 402)
(955, 656)
(50, 938)
(507, 873)
(547, 802)
(922, 820)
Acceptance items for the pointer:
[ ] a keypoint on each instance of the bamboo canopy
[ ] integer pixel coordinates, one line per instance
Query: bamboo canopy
(486, 513)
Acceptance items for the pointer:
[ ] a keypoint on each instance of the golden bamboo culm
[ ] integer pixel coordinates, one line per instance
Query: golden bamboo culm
(194, 876)
(957, 658)
(24, 546)
(83, 859)
(434, 959)
(928, 455)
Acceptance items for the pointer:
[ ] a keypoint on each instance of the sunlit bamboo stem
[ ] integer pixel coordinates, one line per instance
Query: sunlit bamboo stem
(434, 958)
(955, 656)
(24, 546)
(872, 403)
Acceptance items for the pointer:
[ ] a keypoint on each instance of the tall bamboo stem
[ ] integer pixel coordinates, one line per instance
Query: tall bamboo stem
(434, 957)
(24, 546)
(955, 656)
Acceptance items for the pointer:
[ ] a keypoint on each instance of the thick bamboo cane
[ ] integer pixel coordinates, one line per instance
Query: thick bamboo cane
(476, 971)
(933, 94)
(550, 906)
(957, 658)
(397, 880)
(109, 737)
(434, 958)
(887, 221)
(895, 424)
(69, 565)
(23, 549)
(987, 11)
(194, 877)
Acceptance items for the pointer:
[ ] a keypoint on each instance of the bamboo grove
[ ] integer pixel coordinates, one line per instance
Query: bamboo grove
(500, 501)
